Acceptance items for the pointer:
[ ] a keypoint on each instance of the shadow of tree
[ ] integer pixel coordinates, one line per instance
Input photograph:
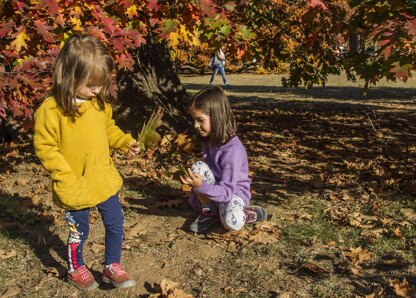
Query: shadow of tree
(160, 199)
(293, 141)
(329, 92)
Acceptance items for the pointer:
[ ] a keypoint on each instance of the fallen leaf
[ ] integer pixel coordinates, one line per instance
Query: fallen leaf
(55, 272)
(393, 262)
(358, 254)
(22, 181)
(331, 243)
(184, 143)
(170, 290)
(363, 221)
(409, 213)
(10, 292)
(397, 232)
(312, 267)
(97, 248)
(58, 220)
(134, 230)
(378, 292)
(403, 288)
(376, 233)
(36, 200)
(231, 290)
(304, 215)
(7, 255)
(232, 246)
(170, 204)
(186, 188)
(263, 233)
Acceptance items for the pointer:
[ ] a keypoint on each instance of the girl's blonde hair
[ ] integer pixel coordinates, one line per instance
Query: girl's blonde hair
(214, 103)
(83, 61)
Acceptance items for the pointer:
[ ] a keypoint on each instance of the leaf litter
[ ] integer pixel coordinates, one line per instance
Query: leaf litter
(297, 146)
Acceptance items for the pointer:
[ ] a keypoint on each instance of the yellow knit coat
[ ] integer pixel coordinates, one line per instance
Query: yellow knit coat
(77, 154)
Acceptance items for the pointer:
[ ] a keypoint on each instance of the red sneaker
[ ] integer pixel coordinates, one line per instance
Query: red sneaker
(116, 275)
(82, 279)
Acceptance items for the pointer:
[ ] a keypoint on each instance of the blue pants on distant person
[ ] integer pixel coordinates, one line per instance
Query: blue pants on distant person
(215, 70)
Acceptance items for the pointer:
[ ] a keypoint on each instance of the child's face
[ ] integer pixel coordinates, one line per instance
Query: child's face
(88, 92)
(202, 123)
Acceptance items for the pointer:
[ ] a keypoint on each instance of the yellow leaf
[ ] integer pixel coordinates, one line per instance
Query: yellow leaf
(20, 41)
(148, 136)
(88, 5)
(132, 11)
(184, 142)
(77, 24)
(196, 41)
(184, 33)
(173, 39)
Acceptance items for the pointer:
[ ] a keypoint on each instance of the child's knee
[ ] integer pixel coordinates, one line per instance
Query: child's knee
(234, 222)
(199, 167)
(236, 227)
(204, 171)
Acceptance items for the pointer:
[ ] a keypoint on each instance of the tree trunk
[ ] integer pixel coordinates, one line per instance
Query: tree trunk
(153, 82)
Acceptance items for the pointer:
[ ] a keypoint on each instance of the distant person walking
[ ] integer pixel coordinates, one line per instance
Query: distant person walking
(217, 62)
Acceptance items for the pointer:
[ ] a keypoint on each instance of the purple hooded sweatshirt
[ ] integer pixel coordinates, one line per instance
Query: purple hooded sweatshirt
(229, 164)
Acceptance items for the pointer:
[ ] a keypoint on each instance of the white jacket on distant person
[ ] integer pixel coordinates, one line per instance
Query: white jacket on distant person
(217, 62)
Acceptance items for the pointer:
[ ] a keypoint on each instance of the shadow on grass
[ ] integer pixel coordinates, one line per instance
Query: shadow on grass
(21, 220)
(293, 143)
(329, 92)
(160, 199)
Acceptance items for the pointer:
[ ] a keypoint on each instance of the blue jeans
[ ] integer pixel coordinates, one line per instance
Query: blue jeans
(215, 70)
(78, 222)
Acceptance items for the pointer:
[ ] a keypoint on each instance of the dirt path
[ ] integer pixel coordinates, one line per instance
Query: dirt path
(323, 162)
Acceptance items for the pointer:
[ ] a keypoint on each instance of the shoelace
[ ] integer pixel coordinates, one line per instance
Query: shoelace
(117, 269)
(84, 272)
(250, 215)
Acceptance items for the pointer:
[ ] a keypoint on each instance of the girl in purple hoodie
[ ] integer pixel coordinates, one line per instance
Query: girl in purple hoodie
(220, 184)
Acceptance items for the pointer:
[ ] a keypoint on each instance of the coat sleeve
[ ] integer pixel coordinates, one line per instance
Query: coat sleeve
(45, 140)
(223, 191)
(116, 137)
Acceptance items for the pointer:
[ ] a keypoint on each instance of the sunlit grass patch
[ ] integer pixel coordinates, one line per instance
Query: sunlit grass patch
(331, 287)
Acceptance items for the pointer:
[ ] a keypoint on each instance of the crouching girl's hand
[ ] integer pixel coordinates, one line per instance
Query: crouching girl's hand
(192, 179)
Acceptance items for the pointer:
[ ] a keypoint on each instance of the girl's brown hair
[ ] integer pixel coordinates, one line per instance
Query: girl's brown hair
(83, 61)
(214, 103)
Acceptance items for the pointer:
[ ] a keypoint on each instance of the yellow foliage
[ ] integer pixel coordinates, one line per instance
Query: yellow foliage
(77, 25)
(173, 39)
(260, 70)
(132, 11)
(184, 33)
(20, 41)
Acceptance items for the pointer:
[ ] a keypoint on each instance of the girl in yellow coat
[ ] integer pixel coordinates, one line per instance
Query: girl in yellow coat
(74, 130)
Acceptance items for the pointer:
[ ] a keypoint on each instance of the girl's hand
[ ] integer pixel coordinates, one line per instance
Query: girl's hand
(134, 149)
(192, 179)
